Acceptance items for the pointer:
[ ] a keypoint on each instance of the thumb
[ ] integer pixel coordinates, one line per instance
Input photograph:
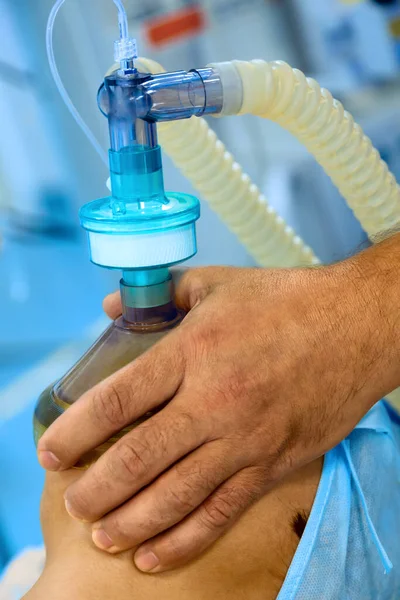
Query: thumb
(196, 284)
(112, 305)
(192, 286)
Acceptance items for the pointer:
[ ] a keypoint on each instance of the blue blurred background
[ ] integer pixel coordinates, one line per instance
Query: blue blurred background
(50, 295)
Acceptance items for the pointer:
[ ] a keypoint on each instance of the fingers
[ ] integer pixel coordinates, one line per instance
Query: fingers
(177, 274)
(116, 402)
(133, 462)
(202, 528)
(112, 305)
(171, 498)
(192, 286)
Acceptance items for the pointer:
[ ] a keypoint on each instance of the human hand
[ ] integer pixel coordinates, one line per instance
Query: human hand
(269, 370)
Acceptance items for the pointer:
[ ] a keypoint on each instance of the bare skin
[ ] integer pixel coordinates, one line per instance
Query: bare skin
(269, 370)
(249, 563)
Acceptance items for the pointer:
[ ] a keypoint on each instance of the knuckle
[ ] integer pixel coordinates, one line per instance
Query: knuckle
(119, 529)
(131, 459)
(217, 512)
(182, 502)
(192, 485)
(223, 508)
(192, 281)
(79, 505)
(197, 476)
(109, 405)
(184, 421)
(257, 481)
(174, 552)
(280, 466)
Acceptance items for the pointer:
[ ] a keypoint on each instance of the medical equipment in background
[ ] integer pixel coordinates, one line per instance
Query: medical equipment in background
(391, 9)
(40, 200)
(347, 44)
(142, 230)
(183, 33)
(173, 31)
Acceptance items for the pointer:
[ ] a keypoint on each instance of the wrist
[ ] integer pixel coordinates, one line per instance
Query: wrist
(372, 279)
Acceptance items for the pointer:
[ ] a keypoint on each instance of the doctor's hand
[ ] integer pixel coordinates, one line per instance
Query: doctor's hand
(269, 370)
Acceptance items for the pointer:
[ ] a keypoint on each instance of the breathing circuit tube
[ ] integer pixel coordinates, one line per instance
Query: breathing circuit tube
(276, 91)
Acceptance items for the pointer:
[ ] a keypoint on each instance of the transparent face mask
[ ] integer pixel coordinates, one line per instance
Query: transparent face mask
(128, 337)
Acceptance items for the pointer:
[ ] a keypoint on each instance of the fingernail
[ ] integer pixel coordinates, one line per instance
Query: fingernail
(102, 540)
(71, 512)
(146, 561)
(49, 461)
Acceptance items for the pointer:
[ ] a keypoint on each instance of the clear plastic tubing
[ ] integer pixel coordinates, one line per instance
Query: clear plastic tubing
(123, 30)
(122, 20)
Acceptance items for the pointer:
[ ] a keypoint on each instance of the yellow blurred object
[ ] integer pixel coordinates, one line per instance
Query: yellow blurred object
(394, 27)
(277, 92)
(394, 399)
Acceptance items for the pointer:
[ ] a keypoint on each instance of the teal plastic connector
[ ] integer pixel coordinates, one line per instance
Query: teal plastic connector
(140, 226)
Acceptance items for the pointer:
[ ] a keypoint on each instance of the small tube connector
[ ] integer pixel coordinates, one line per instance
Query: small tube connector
(125, 49)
